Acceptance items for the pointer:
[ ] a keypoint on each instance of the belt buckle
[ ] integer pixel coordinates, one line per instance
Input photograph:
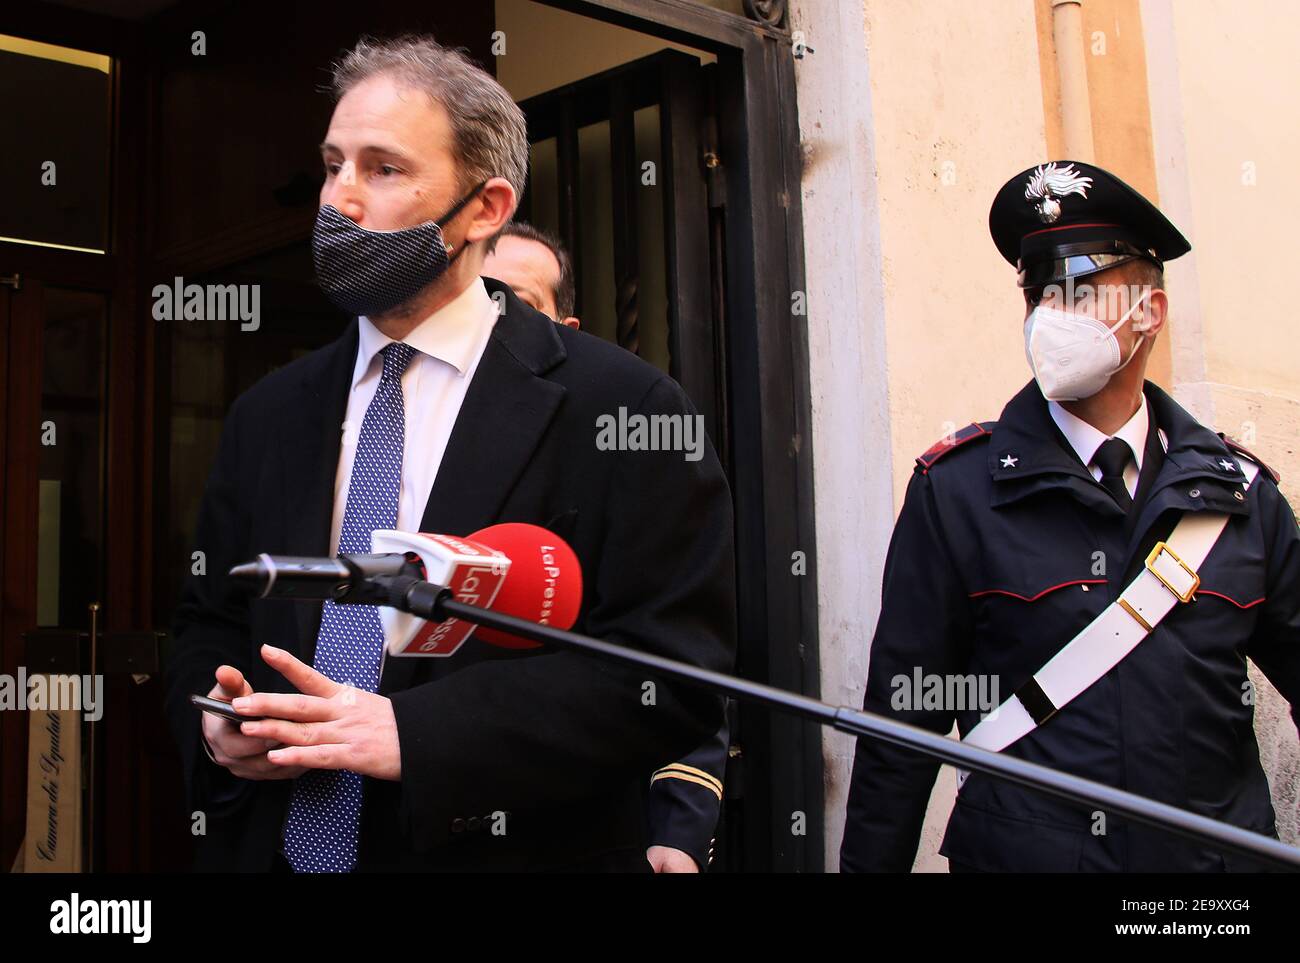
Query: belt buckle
(1151, 562)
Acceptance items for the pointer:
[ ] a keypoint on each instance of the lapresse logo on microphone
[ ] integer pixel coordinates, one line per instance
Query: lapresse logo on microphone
(544, 585)
(473, 571)
(473, 584)
(550, 582)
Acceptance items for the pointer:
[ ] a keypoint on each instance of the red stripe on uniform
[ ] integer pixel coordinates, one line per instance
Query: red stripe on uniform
(1201, 591)
(941, 448)
(1025, 598)
(1067, 227)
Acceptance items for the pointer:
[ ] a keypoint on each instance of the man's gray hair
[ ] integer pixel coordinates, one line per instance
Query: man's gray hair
(491, 135)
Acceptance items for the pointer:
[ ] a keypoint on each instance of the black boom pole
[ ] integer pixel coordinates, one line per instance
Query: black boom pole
(436, 603)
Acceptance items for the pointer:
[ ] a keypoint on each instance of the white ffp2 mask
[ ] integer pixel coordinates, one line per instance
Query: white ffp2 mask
(1073, 355)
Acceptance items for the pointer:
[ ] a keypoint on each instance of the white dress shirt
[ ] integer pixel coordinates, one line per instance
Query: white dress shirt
(449, 344)
(1085, 440)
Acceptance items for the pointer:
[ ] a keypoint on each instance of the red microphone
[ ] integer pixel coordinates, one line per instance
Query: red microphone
(516, 569)
(543, 583)
(513, 568)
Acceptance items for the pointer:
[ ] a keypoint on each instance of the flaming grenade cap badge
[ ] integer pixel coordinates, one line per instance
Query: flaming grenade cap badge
(1048, 184)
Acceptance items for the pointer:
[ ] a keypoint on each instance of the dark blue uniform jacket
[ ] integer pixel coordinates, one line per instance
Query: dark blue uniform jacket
(1005, 549)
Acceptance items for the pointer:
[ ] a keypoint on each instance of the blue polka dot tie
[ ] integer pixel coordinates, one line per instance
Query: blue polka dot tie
(320, 833)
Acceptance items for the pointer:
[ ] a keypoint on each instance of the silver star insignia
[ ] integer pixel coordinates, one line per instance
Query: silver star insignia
(1227, 465)
(1009, 461)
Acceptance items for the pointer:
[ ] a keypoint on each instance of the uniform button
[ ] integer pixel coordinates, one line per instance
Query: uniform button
(474, 823)
(1195, 493)
(1239, 496)
(1085, 588)
(458, 825)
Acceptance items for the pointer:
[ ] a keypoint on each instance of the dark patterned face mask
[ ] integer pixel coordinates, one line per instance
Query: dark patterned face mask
(370, 272)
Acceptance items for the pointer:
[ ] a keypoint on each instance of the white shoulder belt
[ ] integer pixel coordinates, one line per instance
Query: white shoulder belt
(1169, 578)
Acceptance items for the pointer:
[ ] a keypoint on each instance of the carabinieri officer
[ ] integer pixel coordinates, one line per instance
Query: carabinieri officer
(1098, 525)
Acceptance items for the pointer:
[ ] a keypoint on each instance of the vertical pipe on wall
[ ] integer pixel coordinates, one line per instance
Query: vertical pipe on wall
(1076, 112)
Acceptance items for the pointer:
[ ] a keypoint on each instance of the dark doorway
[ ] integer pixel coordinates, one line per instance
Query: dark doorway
(630, 144)
(212, 175)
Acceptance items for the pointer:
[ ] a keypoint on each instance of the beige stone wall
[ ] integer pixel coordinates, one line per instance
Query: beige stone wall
(1226, 138)
(1242, 140)
(915, 321)
(958, 109)
(1116, 63)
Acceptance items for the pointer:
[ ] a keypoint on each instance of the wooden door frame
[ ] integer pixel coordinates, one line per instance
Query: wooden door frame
(770, 401)
(123, 796)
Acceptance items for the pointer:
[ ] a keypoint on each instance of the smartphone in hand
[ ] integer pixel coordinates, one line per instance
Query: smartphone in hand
(223, 709)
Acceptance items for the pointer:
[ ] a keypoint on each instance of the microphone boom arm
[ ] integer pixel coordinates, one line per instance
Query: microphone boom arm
(436, 603)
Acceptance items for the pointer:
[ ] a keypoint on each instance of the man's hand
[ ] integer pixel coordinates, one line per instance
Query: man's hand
(326, 725)
(244, 756)
(665, 859)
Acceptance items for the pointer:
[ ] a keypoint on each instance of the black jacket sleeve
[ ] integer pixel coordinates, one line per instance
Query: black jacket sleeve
(1275, 646)
(210, 627)
(516, 734)
(685, 799)
(924, 624)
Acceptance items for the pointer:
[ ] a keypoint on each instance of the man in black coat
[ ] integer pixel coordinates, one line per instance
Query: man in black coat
(1016, 534)
(683, 799)
(490, 758)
